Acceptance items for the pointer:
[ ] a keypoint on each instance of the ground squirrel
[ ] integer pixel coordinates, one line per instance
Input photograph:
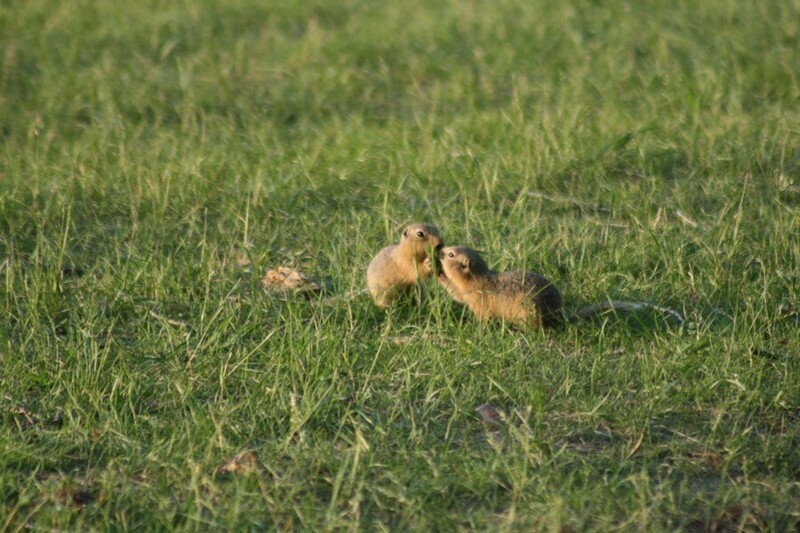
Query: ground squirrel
(397, 269)
(519, 297)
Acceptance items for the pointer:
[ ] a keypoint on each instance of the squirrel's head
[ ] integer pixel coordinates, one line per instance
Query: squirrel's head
(423, 239)
(460, 263)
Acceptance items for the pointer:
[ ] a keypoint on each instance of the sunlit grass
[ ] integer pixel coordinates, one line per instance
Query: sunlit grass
(157, 160)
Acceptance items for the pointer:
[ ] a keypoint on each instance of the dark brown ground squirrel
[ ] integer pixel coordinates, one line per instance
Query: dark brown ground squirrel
(524, 298)
(397, 269)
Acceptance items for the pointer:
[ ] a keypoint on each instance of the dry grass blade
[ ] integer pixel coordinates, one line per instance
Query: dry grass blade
(402, 340)
(574, 202)
(689, 221)
(170, 321)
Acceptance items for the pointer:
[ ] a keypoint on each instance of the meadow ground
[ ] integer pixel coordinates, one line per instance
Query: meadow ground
(158, 158)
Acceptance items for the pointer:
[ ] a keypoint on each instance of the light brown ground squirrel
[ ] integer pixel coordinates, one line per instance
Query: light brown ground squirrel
(519, 297)
(397, 269)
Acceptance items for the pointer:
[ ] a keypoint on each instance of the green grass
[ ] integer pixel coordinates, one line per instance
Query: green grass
(158, 158)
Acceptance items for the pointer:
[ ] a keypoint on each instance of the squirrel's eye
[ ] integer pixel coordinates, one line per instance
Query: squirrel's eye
(421, 235)
(450, 254)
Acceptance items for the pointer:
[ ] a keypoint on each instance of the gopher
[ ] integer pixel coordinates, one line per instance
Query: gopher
(519, 297)
(397, 269)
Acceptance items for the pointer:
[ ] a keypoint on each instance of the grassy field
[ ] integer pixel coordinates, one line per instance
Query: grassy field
(158, 158)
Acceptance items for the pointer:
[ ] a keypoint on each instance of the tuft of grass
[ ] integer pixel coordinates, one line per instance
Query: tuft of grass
(157, 160)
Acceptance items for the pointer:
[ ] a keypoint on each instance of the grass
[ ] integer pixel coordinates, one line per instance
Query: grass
(158, 159)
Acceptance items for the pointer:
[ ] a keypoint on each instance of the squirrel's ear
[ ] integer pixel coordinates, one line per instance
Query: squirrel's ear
(405, 233)
(465, 263)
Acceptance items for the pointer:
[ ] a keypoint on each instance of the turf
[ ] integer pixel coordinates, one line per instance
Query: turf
(158, 158)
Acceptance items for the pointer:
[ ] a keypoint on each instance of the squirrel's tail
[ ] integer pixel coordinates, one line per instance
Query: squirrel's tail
(622, 305)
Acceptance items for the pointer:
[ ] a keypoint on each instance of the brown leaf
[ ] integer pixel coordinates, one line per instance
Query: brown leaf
(76, 496)
(709, 458)
(242, 261)
(286, 279)
(735, 518)
(24, 417)
(244, 463)
(490, 415)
